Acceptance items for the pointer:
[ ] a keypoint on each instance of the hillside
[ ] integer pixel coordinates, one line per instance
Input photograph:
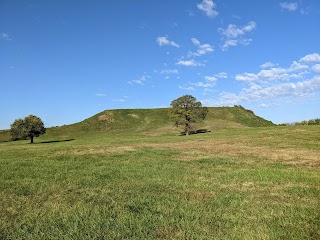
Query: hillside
(154, 122)
(158, 122)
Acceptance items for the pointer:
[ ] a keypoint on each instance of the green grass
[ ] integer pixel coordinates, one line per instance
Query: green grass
(243, 183)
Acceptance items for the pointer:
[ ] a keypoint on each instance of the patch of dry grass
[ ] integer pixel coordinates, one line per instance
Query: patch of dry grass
(133, 115)
(194, 150)
(95, 150)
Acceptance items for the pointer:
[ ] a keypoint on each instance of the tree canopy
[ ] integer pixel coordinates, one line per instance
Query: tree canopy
(27, 128)
(187, 110)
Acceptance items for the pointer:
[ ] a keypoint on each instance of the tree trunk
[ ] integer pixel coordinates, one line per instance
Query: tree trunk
(31, 139)
(187, 129)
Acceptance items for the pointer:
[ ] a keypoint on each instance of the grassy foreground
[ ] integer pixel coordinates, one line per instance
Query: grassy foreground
(249, 183)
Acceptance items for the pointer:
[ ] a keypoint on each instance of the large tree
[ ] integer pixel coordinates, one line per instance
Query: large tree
(187, 110)
(29, 127)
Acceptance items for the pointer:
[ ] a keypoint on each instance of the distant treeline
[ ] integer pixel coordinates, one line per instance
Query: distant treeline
(304, 122)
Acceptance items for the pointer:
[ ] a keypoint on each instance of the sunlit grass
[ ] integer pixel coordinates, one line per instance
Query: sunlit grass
(252, 183)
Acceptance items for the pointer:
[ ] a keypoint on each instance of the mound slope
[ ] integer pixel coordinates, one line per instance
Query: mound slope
(154, 122)
(157, 121)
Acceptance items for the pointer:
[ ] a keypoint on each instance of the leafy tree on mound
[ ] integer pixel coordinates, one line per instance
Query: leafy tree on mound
(187, 110)
(27, 128)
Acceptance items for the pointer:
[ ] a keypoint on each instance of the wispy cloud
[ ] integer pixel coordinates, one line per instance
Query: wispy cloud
(118, 100)
(186, 88)
(208, 85)
(234, 35)
(204, 84)
(268, 65)
(202, 48)
(190, 13)
(264, 105)
(209, 7)
(164, 41)
(141, 80)
(170, 71)
(189, 63)
(216, 77)
(221, 75)
(292, 6)
(232, 31)
(4, 36)
(101, 94)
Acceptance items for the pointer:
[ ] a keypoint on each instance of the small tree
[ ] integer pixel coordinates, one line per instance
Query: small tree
(187, 110)
(29, 127)
(17, 129)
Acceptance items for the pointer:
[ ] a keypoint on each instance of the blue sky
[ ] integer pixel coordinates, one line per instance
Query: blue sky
(65, 61)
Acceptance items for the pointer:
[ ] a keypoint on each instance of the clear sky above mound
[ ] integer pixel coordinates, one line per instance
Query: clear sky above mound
(67, 60)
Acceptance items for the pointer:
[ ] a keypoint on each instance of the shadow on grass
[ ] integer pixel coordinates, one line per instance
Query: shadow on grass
(57, 141)
(195, 132)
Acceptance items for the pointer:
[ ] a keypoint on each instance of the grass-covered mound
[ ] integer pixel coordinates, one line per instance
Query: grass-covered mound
(153, 122)
(158, 121)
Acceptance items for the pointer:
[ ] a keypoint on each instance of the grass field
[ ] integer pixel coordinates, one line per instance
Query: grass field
(240, 183)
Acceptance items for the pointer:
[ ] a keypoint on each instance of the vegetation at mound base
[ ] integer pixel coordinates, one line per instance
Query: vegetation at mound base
(244, 183)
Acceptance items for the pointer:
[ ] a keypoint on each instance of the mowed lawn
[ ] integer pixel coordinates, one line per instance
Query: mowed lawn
(250, 183)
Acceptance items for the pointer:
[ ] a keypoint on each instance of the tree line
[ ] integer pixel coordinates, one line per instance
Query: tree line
(315, 121)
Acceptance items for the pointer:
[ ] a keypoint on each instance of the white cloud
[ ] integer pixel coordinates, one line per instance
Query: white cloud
(210, 78)
(229, 43)
(221, 75)
(268, 65)
(234, 35)
(118, 100)
(263, 105)
(289, 6)
(295, 66)
(202, 48)
(163, 41)
(101, 94)
(232, 31)
(4, 36)
(168, 72)
(141, 80)
(304, 89)
(245, 41)
(316, 68)
(216, 77)
(204, 85)
(310, 58)
(272, 74)
(295, 71)
(266, 87)
(195, 41)
(208, 6)
(247, 77)
(186, 88)
(189, 63)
